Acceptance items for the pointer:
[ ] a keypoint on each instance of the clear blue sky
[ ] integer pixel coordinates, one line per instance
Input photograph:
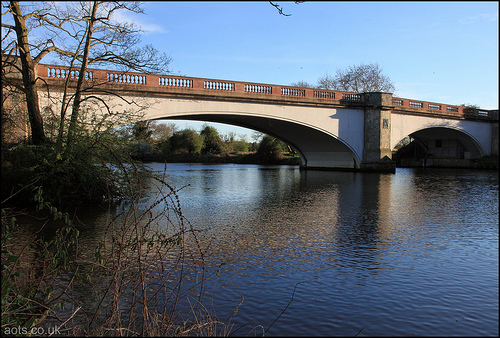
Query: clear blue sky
(444, 52)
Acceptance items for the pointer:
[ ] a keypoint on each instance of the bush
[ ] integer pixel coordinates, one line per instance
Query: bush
(141, 151)
(71, 175)
(32, 291)
(186, 140)
(270, 150)
(241, 147)
(148, 264)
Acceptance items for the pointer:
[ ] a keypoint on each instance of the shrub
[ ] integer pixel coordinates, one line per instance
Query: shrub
(70, 175)
(270, 150)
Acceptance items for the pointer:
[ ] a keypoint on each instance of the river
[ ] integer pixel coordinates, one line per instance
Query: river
(327, 253)
(411, 253)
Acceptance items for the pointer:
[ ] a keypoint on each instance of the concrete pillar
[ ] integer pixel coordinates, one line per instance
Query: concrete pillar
(377, 153)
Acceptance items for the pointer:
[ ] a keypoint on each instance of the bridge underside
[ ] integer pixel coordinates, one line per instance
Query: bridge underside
(447, 147)
(316, 148)
(443, 142)
(448, 143)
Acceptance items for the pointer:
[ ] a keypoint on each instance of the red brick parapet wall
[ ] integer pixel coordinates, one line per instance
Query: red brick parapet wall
(228, 88)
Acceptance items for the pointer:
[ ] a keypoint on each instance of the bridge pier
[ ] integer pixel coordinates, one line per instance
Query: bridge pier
(377, 153)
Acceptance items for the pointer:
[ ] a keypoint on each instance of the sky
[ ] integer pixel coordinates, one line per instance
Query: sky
(444, 52)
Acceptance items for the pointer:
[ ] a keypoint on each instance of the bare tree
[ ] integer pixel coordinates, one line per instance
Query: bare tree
(83, 34)
(21, 47)
(302, 84)
(98, 39)
(470, 105)
(358, 79)
(327, 82)
(162, 131)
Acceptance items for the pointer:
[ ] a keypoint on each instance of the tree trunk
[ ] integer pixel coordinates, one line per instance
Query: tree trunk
(29, 76)
(78, 94)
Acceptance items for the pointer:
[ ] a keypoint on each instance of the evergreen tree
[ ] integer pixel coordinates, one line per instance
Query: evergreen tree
(271, 149)
(212, 143)
(185, 140)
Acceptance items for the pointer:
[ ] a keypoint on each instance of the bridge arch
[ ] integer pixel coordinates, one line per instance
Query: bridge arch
(311, 143)
(324, 137)
(329, 129)
(444, 138)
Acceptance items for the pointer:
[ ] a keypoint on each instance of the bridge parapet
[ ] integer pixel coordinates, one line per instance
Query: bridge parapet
(229, 88)
(52, 72)
(431, 106)
(481, 113)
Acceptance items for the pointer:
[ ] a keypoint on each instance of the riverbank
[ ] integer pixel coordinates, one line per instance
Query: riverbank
(237, 158)
(487, 162)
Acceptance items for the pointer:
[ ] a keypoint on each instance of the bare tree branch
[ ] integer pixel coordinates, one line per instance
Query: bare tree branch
(280, 9)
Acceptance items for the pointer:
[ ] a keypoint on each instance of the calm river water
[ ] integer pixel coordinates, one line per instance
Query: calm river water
(411, 253)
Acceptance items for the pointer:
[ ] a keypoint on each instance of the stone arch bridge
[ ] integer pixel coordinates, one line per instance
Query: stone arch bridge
(328, 129)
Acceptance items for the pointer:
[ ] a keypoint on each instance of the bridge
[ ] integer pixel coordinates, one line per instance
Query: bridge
(328, 129)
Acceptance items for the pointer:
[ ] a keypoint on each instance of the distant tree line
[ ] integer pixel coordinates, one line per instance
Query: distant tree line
(149, 141)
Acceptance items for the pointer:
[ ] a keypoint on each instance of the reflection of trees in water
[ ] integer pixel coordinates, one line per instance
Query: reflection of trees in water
(307, 211)
(311, 211)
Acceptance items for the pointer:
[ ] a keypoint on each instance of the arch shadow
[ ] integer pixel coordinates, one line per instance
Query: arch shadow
(448, 142)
